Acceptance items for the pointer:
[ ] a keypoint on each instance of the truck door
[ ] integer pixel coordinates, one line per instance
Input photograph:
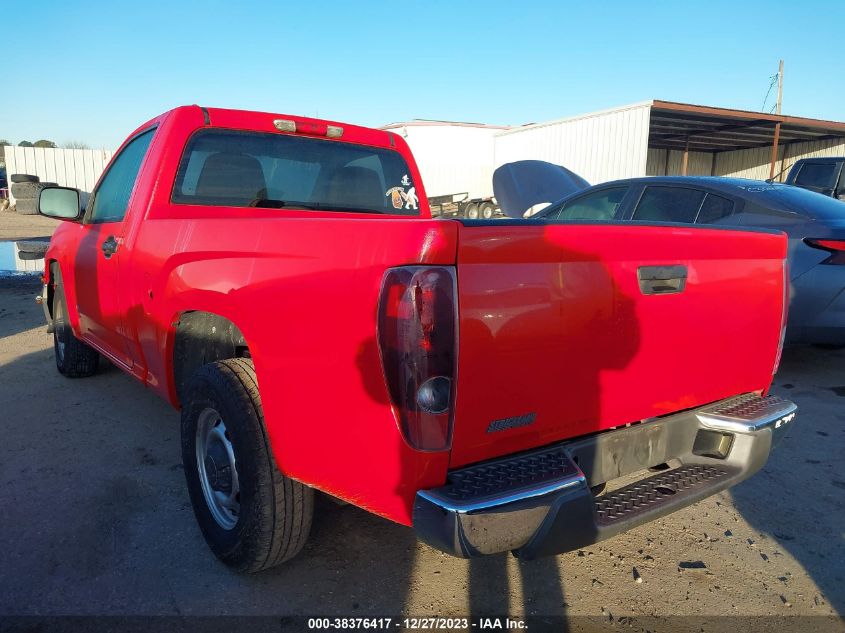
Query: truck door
(97, 262)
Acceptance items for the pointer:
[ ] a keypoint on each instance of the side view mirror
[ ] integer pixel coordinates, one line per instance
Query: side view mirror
(59, 202)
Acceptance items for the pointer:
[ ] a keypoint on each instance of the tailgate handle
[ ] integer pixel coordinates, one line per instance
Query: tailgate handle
(662, 280)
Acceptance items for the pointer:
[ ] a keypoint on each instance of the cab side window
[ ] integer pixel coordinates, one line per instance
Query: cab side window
(599, 205)
(111, 198)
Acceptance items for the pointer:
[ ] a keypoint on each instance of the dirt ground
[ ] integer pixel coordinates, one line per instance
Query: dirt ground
(96, 519)
(14, 226)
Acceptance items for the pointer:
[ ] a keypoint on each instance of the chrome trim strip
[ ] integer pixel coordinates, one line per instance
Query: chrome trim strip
(521, 495)
(774, 413)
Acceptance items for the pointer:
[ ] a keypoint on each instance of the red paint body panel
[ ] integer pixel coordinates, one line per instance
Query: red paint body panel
(550, 318)
(553, 323)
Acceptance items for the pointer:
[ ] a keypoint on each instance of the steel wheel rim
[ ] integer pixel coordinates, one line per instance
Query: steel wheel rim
(217, 469)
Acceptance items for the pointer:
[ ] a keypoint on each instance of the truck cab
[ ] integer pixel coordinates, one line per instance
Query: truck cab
(822, 175)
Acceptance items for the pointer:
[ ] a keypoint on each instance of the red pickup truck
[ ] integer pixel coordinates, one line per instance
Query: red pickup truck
(529, 386)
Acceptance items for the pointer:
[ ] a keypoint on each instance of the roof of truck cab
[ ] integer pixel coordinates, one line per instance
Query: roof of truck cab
(263, 121)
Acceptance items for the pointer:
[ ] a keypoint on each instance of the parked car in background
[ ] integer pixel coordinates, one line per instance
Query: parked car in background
(814, 223)
(281, 280)
(822, 175)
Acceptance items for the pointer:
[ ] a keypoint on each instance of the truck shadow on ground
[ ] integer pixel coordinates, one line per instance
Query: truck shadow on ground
(103, 454)
(807, 466)
(17, 319)
(513, 327)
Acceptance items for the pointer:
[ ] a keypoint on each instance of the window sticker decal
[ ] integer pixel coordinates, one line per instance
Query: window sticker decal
(400, 198)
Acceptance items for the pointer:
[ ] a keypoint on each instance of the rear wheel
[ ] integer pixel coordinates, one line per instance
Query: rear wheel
(251, 515)
(74, 358)
(471, 211)
(486, 210)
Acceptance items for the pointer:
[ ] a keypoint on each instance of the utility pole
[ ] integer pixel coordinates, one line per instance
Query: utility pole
(777, 124)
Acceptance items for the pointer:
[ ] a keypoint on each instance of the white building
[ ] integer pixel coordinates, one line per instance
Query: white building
(651, 138)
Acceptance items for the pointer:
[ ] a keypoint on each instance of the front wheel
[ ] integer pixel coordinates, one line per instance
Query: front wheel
(74, 358)
(251, 515)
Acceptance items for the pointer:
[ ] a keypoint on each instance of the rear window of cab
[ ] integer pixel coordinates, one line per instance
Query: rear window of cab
(254, 169)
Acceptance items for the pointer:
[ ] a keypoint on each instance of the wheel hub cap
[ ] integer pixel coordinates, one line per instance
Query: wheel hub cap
(217, 469)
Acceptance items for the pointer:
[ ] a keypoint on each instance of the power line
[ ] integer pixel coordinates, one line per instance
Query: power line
(772, 81)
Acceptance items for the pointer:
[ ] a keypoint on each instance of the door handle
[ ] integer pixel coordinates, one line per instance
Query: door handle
(662, 280)
(109, 246)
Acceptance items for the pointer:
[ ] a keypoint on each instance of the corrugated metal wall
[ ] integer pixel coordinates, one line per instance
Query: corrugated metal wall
(452, 158)
(754, 163)
(79, 168)
(599, 147)
(744, 163)
(699, 163)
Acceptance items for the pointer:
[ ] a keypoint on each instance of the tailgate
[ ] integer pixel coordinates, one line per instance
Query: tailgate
(570, 329)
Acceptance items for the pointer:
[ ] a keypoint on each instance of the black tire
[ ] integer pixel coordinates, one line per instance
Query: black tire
(274, 513)
(25, 190)
(471, 211)
(486, 210)
(23, 178)
(74, 358)
(26, 206)
(29, 190)
(36, 247)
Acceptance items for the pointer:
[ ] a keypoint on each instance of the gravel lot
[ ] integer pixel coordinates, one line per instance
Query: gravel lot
(21, 227)
(96, 519)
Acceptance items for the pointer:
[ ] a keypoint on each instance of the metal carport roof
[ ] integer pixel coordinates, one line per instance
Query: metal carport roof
(695, 128)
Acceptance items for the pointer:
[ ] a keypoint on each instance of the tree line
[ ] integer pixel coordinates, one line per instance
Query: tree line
(48, 144)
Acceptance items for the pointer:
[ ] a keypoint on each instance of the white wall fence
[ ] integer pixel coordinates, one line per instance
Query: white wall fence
(79, 168)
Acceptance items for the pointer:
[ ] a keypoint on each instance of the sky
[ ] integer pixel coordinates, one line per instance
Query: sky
(93, 71)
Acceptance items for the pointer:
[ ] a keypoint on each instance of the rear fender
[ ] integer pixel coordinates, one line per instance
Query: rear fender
(201, 338)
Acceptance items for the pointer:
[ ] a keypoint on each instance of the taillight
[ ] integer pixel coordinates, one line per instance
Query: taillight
(784, 313)
(836, 248)
(417, 336)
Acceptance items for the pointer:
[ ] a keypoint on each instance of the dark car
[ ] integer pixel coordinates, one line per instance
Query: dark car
(822, 175)
(814, 223)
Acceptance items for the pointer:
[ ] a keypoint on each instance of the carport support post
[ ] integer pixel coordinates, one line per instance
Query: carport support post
(686, 159)
(774, 151)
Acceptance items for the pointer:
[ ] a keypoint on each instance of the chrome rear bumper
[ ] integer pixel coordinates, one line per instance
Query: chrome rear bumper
(539, 503)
